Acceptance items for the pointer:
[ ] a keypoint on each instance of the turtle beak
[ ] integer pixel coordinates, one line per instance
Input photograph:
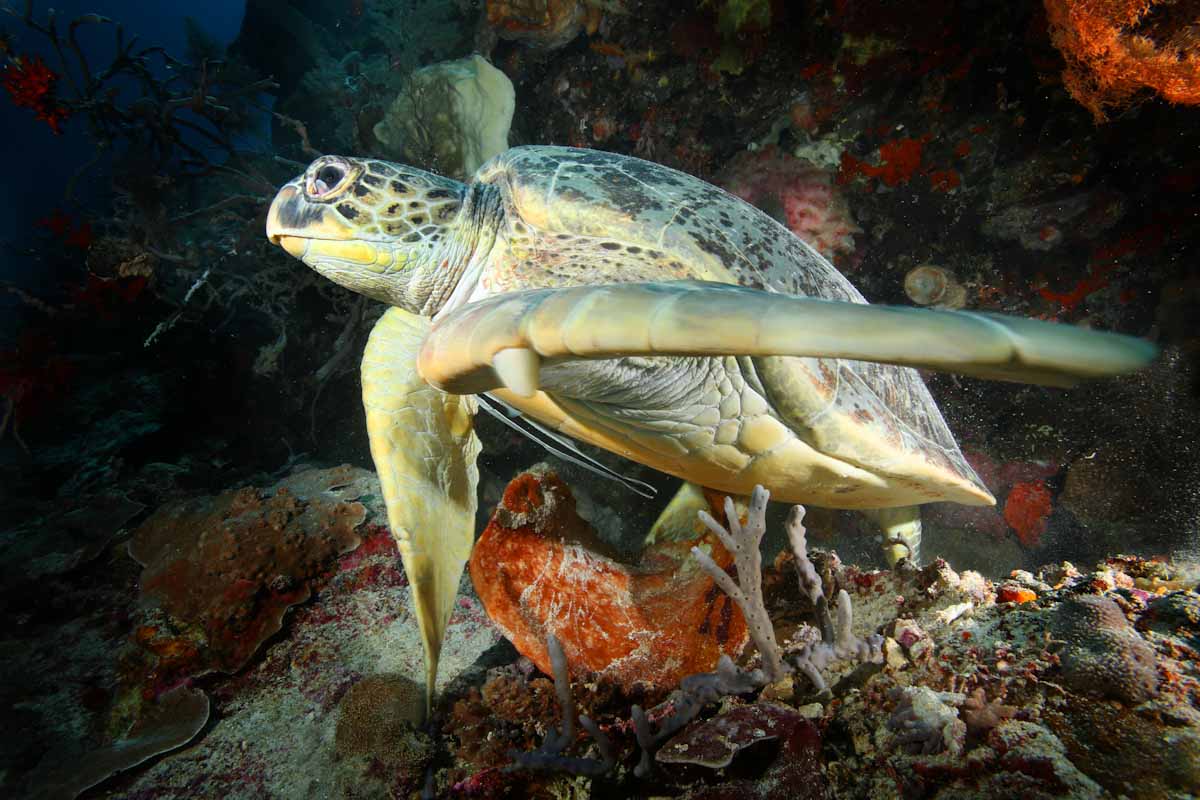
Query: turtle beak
(284, 220)
(293, 221)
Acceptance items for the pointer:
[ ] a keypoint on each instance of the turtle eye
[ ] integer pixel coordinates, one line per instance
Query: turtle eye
(328, 178)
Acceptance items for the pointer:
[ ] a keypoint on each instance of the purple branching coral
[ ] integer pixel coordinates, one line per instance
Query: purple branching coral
(549, 757)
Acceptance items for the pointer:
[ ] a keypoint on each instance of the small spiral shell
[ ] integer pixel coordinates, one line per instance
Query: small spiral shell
(929, 285)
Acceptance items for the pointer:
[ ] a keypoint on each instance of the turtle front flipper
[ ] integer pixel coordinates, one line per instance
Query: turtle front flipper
(424, 448)
(502, 341)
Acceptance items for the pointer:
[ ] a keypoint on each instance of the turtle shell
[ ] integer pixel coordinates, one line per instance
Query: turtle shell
(576, 217)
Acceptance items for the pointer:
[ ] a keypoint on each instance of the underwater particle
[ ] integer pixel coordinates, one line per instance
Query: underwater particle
(539, 570)
(1026, 510)
(930, 285)
(1044, 226)
(1097, 491)
(377, 720)
(1102, 653)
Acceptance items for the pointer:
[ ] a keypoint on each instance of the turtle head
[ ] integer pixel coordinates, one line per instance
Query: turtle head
(385, 230)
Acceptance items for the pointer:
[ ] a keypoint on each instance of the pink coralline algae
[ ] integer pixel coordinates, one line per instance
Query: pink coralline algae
(224, 570)
(800, 194)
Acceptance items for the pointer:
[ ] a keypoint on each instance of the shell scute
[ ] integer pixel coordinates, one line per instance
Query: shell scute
(588, 217)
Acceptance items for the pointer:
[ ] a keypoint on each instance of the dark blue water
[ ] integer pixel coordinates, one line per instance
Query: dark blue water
(38, 163)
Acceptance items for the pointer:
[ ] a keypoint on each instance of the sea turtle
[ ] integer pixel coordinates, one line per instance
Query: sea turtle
(632, 306)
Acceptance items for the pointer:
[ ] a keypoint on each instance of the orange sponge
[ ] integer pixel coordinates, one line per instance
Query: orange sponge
(1118, 49)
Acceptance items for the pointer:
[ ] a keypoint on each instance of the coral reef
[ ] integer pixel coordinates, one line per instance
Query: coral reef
(927, 721)
(1102, 653)
(175, 719)
(1026, 509)
(983, 690)
(31, 84)
(660, 724)
(377, 722)
(1056, 683)
(225, 570)
(1117, 49)
(64, 540)
(545, 24)
(324, 708)
(838, 641)
(800, 194)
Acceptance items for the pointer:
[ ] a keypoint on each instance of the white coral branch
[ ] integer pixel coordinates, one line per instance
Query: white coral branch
(743, 542)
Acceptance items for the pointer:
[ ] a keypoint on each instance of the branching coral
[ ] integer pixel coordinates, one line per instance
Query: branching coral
(1116, 49)
(838, 641)
(31, 84)
(654, 727)
(549, 756)
(172, 115)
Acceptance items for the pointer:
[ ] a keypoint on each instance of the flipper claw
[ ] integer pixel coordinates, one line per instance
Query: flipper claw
(517, 368)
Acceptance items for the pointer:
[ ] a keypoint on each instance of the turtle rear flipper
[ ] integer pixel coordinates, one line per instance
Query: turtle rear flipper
(501, 341)
(424, 448)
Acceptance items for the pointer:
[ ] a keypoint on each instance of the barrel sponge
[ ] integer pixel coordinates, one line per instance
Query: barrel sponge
(450, 117)
(1102, 653)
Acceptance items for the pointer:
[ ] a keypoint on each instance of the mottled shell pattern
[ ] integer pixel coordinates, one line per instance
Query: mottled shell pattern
(577, 217)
